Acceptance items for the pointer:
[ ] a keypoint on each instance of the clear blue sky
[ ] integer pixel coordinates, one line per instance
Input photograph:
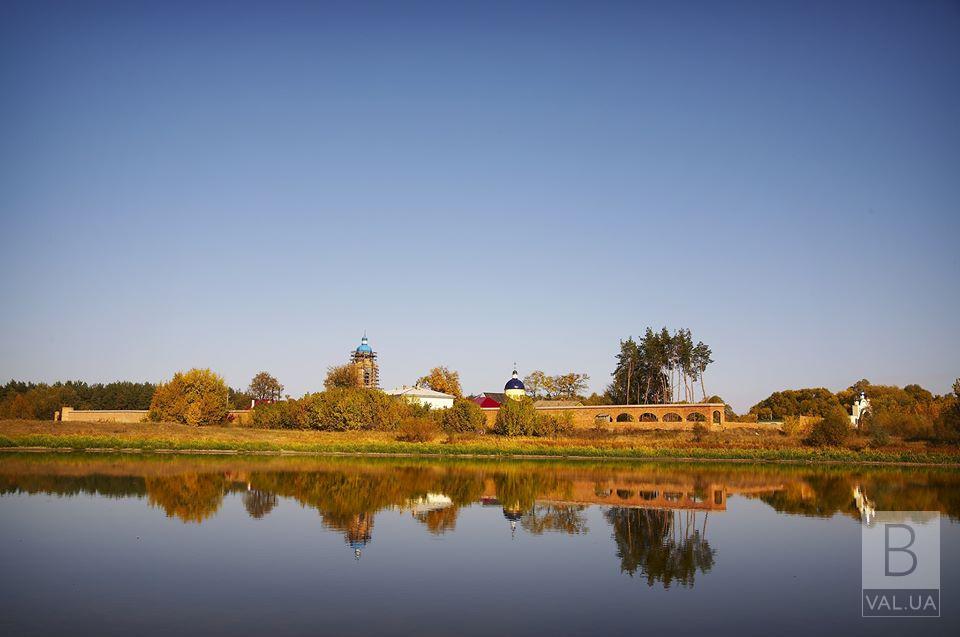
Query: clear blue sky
(251, 186)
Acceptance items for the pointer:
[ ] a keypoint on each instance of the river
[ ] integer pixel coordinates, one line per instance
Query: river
(239, 545)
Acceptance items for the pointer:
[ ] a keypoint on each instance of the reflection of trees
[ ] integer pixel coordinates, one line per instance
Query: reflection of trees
(94, 484)
(817, 495)
(518, 491)
(348, 499)
(259, 503)
(555, 517)
(192, 497)
(651, 541)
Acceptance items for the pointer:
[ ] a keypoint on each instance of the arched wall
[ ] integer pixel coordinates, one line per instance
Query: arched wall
(585, 416)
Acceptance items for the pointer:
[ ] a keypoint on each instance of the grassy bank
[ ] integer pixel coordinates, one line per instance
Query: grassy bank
(732, 445)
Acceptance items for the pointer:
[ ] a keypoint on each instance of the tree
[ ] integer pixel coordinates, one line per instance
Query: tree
(465, 416)
(701, 358)
(265, 387)
(947, 427)
(550, 389)
(343, 376)
(535, 383)
(516, 417)
(259, 503)
(197, 397)
(832, 430)
(816, 401)
(910, 412)
(239, 399)
(570, 385)
(660, 368)
(442, 380)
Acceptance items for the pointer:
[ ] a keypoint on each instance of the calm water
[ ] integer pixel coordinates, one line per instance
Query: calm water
(229, 545)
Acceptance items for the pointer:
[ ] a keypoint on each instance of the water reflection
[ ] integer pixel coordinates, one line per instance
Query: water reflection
(657, 513)
(665, 546)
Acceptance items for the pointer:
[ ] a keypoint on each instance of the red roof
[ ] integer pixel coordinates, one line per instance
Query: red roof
(486, 401)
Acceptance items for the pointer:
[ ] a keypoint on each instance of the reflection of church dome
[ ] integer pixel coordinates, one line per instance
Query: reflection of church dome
(514, 387)
(364, 347)
(359, 532)
(513, 513)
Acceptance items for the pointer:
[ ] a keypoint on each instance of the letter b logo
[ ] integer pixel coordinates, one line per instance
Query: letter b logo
(904, 547)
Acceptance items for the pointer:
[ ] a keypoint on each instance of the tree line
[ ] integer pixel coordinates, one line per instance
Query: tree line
(911, 411)
(660, 368)
(40, 401)
(19, 399)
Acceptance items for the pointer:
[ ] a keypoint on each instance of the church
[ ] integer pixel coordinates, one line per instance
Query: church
(365, 360)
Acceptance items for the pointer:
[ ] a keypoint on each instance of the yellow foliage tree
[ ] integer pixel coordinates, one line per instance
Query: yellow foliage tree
(443, 380)
(343, 377)
(197, 397)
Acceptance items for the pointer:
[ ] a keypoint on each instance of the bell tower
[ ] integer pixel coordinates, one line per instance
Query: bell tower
(365, 360)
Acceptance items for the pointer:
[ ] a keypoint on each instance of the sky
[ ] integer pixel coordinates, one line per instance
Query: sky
(251, 186)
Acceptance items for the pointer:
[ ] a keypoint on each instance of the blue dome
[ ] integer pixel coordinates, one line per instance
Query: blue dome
(364, 347)
(514, 383)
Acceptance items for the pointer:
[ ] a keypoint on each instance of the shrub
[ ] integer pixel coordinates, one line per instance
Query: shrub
(878, 437)
(342, 409)
(417, 429)
(699, 431)
(798, 426)
(197, 397)
(832, 430)
(554, 425)
(286, 414)
(903, 424)
(465, 416)
(517, 417)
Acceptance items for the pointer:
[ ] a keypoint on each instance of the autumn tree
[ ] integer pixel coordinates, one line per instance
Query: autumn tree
(516, 417)
(947, 426)
(265, 387)
(465, 416)
(535, 383)
(442, 380)
(343, 376)
(570, 385)
(196, 397)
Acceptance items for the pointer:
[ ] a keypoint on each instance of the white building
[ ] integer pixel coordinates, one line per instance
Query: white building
(860, 407)
(423, 396)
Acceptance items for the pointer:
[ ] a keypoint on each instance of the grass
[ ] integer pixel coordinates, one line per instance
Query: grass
(729, 445)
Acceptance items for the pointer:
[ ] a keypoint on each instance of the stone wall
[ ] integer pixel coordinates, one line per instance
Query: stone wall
(69, 414)
(678, 416)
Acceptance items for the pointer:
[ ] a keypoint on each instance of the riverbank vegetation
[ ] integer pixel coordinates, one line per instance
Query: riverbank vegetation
(735, 444)
(909, 412)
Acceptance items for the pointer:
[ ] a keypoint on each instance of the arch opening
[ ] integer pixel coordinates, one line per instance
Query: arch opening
(696, 416)
(672, 417)
(648, 417)
(624, 417)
